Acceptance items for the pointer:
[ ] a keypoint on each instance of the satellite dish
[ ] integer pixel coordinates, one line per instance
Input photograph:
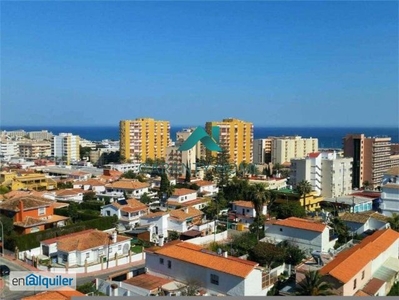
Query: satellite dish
(219, 251)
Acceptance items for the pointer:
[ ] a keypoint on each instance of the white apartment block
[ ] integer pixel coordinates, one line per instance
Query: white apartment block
(286, 148)
(40, 135)
(34, 149)
(8, 149)
(13, 135)
(66, 145)
(336, 176)
(390, 193)
(330, 176)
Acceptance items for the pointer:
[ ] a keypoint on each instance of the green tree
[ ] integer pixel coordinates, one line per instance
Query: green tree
(73, 211)
(394, 221)
(4, 189)
(188, 174)
(84, 152)
(173, 235)
(289, 209)
(89, 196)
(313, 285)
(149, 161)
(277, 167)
(237, 189)
(394, 290)
(293, 255)
(223, 168)
(192, 287)
(366, 185)
(258, 195)
(165, 186)
(340, 229)
(8, 225)
(145, 198)
(265, 254)
(303, 188)
(244, 242)
(208, 175)
(129, 175)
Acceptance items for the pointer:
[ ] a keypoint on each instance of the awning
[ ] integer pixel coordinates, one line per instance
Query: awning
(388, 270)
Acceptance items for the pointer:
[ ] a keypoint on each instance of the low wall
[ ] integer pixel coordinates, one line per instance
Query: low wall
(97, 267)
(209, 238)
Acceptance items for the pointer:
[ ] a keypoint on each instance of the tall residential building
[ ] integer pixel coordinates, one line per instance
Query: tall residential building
(144, 138)
(34, 149)
(330, 176)
(371, 158)
(289, 147)
(66, 146)
(8, 149)
(40, 135)
(176, 159)
(263, 151)
(235, 136)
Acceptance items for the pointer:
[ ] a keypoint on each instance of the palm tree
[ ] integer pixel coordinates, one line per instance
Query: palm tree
(313, 285)
(366, 185)
(303, 188)
(394, 221)
(258, 195)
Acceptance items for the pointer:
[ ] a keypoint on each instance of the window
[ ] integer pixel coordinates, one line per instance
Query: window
(161, 261)
(87, 254)
(362, 274)
(108, 213)
(354, 283)
(42, 211)
(169, 264)
(214, 279)
(65, 257)
(281, 229)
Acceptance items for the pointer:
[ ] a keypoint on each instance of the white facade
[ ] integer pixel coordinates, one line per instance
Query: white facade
(127, 218)
(135, 167)
(40, 135)
(336, 175)
(307, 240)
(183, 198)
(8, 149)
(210, 279)
(390, 199)
(159, 226)
(210, 189)
(66, 145)
(330, 176)
(246, 210)
(286, 148)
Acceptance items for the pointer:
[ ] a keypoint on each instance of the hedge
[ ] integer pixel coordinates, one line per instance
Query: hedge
(32, 240)
(82, 215)
(92, 205)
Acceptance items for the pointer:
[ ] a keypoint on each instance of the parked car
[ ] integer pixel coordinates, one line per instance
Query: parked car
(4, 270)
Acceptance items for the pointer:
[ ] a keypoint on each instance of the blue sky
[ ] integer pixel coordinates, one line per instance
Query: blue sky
(272, 63)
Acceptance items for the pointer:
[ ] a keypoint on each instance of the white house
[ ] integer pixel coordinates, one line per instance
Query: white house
(208, 188)
(217, 274)
(86, 247)
(390, 192)
(94, 185)
(179, 220)
(306, 234)
(132, 188)
(156, 182)
(185, 198)
(365, 222)
(246, 209)
(74, 195)
(128, 211)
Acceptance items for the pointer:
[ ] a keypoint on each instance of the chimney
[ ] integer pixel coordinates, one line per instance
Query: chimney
(114, 236)
(186, 210)
(21, 209)
(106, 172)
(114, 290)
(225, 254)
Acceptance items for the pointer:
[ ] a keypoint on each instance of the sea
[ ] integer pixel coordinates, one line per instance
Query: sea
(329, 137)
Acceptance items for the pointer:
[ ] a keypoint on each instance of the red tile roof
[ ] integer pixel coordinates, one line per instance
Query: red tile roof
(244, 203)
(183, 192)
(373, 286)
(314, 154)
(65, 294)
(194, 254)
(301, 224)
(147, 281)
(350, 262)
